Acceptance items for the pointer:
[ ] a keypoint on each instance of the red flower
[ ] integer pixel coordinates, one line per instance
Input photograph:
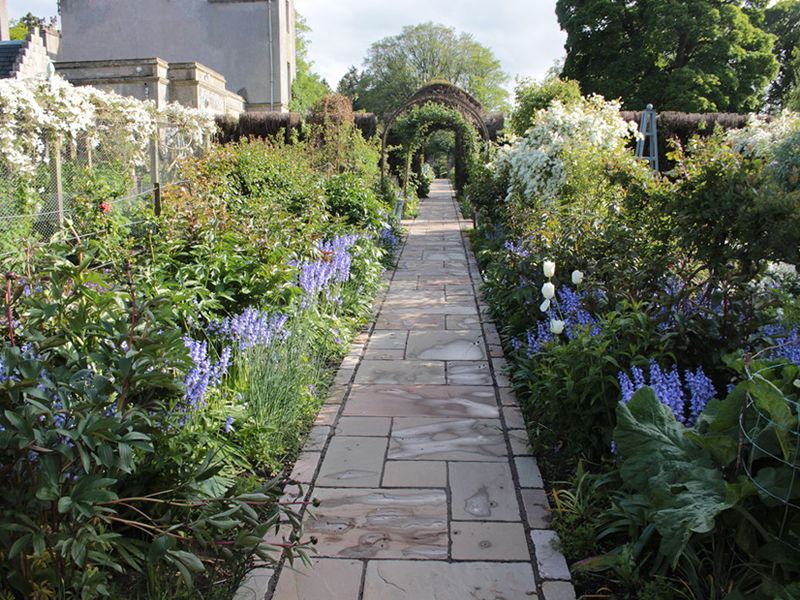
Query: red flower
(105, 207)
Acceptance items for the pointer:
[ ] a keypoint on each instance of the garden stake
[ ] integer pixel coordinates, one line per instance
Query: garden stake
(10, 276)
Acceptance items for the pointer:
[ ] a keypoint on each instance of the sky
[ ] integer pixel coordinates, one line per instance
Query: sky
(524, 34)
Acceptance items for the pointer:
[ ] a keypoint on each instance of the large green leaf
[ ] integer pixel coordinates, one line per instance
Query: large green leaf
(686, 490)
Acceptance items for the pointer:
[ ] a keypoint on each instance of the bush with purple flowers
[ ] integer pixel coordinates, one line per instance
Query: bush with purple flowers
(684, 286)
(686, 397)
(154, 388)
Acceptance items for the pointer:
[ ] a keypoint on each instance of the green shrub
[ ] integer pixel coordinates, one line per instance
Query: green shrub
(350, 199)
(570, 391)
(532, 96)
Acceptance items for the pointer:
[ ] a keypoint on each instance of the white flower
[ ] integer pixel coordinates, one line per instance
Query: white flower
(549, 268)
(545, 306)
(549, 290)
(557, 327)
(577, 277)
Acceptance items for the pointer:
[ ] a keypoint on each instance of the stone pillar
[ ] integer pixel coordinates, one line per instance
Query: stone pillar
(4, 35)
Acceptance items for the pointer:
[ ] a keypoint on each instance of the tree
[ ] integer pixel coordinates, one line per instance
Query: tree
(19, 29)
(308, 87)
(686, 55)
(783, 21)
(397, 66)
(531, 96)
(348, 84)
(793, 95)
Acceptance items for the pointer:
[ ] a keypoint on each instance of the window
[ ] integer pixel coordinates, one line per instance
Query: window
(288, 17)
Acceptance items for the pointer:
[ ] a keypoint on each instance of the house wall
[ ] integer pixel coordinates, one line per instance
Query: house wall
(228, 36)
(189, 83)
(4, 35)
(33, 60)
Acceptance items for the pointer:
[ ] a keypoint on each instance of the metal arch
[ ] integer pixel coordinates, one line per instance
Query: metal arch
(439, 93)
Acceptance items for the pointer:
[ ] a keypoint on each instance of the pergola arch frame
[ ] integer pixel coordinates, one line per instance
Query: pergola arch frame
(445, 94)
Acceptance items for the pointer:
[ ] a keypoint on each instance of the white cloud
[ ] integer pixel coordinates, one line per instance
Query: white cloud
(524, 34)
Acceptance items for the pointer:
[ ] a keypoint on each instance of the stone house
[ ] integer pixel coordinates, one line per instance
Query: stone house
(183, 50)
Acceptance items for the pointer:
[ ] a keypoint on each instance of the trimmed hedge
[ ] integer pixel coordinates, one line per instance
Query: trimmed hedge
(683, 126)
(263, 125)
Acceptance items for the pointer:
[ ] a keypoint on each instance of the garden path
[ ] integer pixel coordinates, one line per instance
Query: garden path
(420, 459)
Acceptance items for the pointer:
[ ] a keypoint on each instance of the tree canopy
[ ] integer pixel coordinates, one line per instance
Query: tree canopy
(783, 21)
(308, 87)
(693, 56)
(19, 28)
(397, 66)
(531, 96)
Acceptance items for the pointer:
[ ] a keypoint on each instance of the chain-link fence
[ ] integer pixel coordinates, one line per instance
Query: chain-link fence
(103, 173)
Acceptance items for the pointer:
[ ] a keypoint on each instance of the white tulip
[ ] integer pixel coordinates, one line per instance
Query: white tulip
(545, 306)
(549, 290)
(557, 327)
(549, 268)
(577, 277)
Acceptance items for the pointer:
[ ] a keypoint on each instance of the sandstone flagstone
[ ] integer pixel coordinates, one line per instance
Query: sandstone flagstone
(404, 580)
(488, 541)
(380, 523)
(445, 345)
(422, 401)
(401, 372)
(324, 578)
(464, 439)
(482, 492)
(352, 462)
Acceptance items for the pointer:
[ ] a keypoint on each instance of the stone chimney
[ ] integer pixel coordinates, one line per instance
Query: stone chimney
(4, 35)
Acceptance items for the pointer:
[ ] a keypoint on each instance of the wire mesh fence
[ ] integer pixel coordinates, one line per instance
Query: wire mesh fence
(100, 174)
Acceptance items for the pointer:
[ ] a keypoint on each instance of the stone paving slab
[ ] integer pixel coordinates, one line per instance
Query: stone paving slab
(325, 578)
(453, 401)
(440, 439)
(426, 485)
(415, 473)
(401, 372)
(380, 523)
(352, 462)
(482, 492)
(489, 541)
(404, 580)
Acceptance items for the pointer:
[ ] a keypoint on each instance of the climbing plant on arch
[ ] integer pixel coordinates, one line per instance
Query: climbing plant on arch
(414, 127)
(460, 112)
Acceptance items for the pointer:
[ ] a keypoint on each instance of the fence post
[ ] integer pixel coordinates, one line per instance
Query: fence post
(56, 179)
(87, 142)
(155, 173)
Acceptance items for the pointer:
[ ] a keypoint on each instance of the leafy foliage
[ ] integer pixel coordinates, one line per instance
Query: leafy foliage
(397, 66)
(677, 274)
(308, 87)
(531, 97)
(702, 56)
(783, 20)
(157, 377)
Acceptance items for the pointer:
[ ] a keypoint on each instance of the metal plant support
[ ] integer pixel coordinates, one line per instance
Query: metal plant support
(760, 432)
(648, 131)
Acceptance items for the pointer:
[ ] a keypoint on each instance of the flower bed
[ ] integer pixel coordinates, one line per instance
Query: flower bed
(158, 375)
(652, 325)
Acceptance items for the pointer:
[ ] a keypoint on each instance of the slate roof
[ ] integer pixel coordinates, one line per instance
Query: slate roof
(9, 52)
